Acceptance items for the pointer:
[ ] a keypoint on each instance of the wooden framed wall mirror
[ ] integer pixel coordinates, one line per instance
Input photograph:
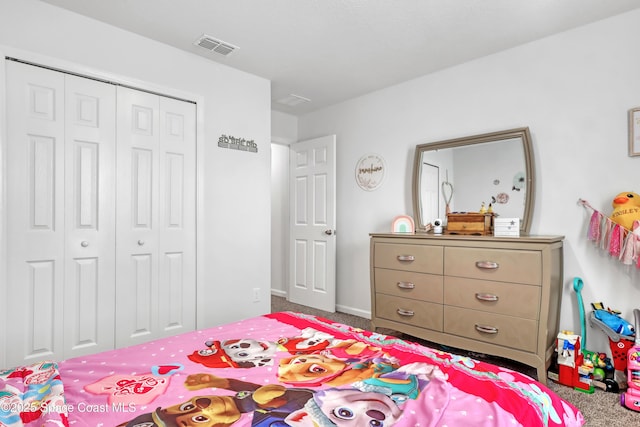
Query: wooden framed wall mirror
(463, 174)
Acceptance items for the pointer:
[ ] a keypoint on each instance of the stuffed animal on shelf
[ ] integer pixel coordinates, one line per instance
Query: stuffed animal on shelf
(626, 209)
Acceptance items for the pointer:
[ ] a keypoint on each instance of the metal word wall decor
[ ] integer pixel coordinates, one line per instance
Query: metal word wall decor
(237, 143)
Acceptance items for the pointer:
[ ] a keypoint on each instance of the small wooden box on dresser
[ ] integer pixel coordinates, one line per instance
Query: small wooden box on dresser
(499, 296)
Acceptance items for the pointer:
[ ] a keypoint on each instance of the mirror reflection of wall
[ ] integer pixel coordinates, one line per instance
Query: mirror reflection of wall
(442, 159)
(485, 174)
(490, 173)
(430, 186)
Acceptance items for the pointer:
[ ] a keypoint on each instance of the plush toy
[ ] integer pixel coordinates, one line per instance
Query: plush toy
(615, 322)
(626, 209)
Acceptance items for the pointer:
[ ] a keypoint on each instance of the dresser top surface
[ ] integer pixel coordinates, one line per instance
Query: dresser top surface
(462, 237)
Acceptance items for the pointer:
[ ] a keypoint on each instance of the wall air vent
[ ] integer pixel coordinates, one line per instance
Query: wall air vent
(215, 45)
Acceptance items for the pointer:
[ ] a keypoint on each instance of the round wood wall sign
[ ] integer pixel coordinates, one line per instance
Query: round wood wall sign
(370, 172)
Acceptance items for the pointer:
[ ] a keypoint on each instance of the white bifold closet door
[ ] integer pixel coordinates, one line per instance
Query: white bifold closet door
(60, 216)
(156, 217)
(100, 215)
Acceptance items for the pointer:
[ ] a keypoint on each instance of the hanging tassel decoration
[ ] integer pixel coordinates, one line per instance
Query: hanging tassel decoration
(595, 227)
(608, 229)
(614, 241)
(629, 253)
(613, 238)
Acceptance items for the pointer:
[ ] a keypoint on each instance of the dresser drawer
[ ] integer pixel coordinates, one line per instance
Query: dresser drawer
(505, 265)
(511, 299)
(507, 331)
(409, 284)
(417, 313)
(421, 258)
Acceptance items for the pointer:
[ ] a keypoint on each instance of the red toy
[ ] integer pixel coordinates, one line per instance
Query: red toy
(618, 344)
(631, 398)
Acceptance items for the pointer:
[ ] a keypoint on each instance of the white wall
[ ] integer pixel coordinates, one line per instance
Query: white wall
(284, 128)
(284, 132)
(279, 219)
(235, 234)
(573, 90)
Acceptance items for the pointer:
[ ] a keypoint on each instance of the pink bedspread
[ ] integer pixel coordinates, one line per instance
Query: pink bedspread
(288, 369)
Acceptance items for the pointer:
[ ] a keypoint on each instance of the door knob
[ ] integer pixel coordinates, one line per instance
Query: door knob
(84, 244)
(140, 242)
(328, 232)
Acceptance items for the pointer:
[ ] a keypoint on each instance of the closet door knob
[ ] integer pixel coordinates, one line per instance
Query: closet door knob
(140, 242)
(84, 244)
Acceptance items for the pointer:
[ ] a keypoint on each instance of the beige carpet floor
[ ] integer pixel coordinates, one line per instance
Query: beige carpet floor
(599, 409)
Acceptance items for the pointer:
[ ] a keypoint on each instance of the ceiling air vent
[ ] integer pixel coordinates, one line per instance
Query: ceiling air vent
(215, 45)
(293, 100)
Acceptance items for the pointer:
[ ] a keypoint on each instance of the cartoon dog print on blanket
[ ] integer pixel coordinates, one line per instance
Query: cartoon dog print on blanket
(368, 404)
(313, 370)
(350, 407)
(309, 341)
(268, 404)
(236, 353)
(250, 353)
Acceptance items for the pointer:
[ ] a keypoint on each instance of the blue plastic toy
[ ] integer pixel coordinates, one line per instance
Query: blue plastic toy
(615, 322)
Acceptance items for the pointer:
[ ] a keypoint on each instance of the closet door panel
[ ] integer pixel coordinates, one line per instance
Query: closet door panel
(177, 231)
(137, 220)
(90, 117)
(142, 291)
(35, 213)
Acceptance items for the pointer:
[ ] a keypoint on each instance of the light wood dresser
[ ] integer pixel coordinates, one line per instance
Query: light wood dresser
(499, 296)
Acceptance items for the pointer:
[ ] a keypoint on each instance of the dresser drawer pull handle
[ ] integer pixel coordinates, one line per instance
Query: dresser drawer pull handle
(486, 329)
(487, 265)
(406, 313)
(406, 285)
(486, 297)
(406, 258)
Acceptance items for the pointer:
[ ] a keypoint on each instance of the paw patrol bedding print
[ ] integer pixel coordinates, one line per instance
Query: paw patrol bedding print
(290, 369)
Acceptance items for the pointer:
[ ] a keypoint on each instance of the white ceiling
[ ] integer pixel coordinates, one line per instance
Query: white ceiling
(332, 50)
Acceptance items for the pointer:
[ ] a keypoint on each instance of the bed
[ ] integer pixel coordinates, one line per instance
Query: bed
(280, 369)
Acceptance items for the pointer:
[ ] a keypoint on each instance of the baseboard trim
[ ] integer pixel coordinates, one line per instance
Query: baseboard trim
(353, 311)
(339, 307)
(278, 293)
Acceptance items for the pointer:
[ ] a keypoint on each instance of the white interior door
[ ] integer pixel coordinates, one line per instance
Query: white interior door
(61, 214)
(90, 144)
(35, 213)
(312, 267)
(177, 217)
(137, 217)
(66, 232)
(156, 241)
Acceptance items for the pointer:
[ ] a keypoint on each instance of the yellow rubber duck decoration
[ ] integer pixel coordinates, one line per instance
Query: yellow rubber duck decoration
(626, 209)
